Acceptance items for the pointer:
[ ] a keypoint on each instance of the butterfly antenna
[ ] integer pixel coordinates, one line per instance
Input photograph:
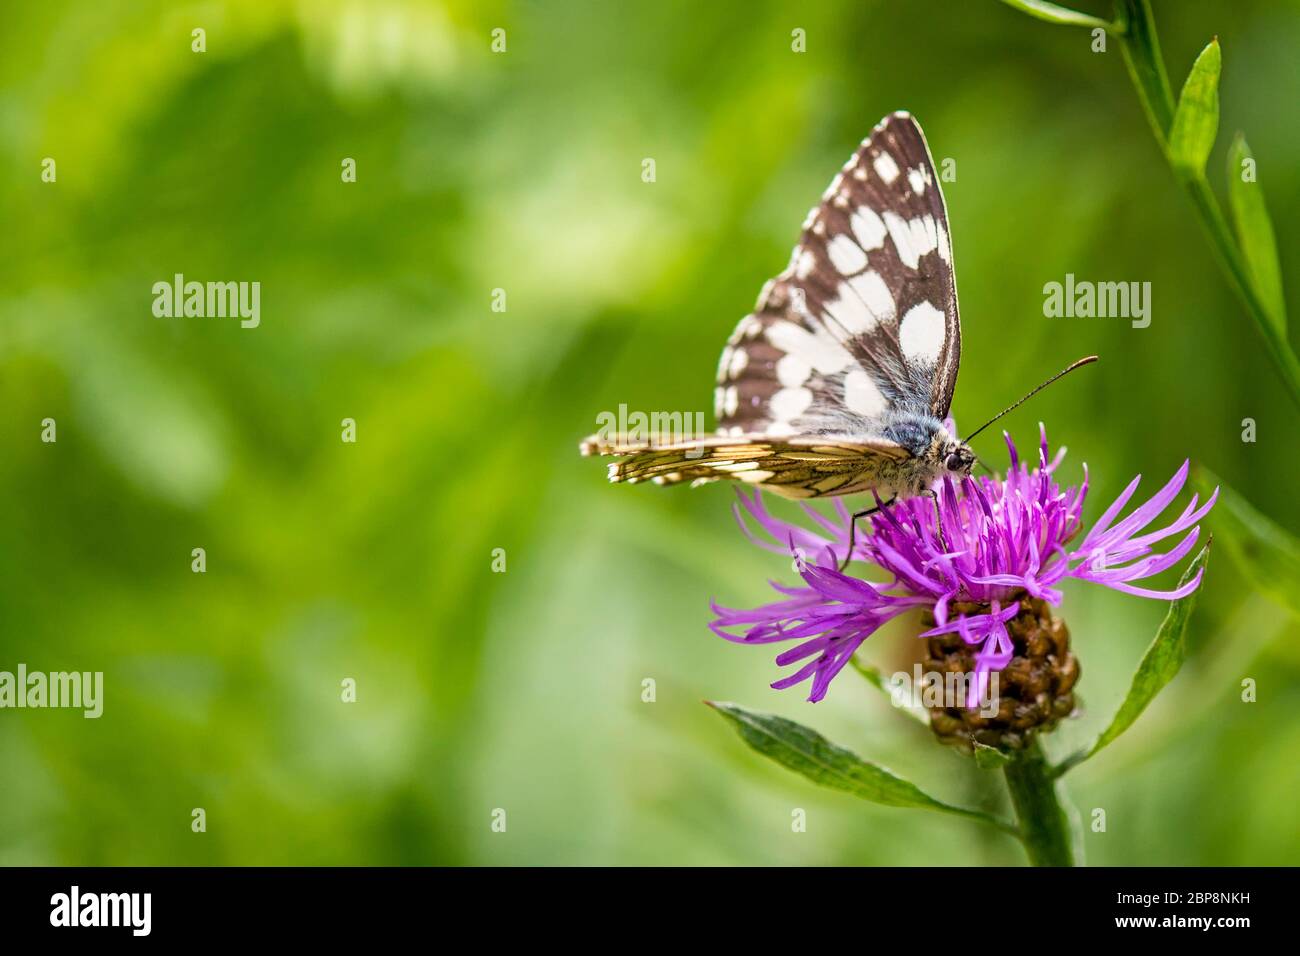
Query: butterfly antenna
(1088, 360)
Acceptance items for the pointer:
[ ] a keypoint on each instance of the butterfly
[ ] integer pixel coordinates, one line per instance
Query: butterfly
(841, 379)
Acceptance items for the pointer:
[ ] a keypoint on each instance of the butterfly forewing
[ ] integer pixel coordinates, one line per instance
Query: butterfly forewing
(863, 323)
(807, 467)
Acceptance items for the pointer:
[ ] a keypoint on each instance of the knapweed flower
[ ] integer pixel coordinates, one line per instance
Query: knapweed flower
(983, 563)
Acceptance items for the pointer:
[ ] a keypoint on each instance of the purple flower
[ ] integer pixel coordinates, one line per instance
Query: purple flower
(988, 542)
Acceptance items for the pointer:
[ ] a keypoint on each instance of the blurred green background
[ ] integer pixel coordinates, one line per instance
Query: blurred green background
(522, 171)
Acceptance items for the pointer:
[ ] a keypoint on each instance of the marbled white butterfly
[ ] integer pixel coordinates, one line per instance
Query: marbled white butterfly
(840, 380)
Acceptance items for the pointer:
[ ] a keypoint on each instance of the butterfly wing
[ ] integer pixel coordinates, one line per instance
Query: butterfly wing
(801, 467)
(859, 332)
(862, 325)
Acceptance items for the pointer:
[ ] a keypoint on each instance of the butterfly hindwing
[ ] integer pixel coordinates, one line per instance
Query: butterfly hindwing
(797, 468)
(863, 323)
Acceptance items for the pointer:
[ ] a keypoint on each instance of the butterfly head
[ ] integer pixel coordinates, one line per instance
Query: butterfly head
(945, 456)
(958, 459)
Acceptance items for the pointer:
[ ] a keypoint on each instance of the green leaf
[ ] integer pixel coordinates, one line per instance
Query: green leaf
(1055, 13)
(1159, 665)
(1268, 555)
(1196, 118)
(1255, 231)
(807, 752)
(989, 758)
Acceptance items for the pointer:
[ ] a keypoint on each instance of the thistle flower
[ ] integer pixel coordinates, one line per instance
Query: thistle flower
(984, 563)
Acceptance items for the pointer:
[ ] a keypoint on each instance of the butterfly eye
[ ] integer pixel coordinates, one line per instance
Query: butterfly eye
(955, 462)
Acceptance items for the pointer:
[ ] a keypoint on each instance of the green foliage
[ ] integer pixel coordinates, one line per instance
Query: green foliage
(1161, 662)
(1187, 132)
(1146, 66)
(1055, 13)
(1268, 555)
(989, 758)
(1196, 118)
(811, 755)
(1254, 230)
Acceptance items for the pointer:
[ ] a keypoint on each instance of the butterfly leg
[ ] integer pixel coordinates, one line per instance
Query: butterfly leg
(938, 518)
(853, 527)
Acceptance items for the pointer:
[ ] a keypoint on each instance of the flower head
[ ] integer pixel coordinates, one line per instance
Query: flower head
(986, 546)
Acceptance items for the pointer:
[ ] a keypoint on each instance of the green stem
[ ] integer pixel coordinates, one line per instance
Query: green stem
(1044, 826)
(1137, 33)
(1230, 260)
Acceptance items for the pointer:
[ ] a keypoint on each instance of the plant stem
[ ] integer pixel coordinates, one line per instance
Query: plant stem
(1225, 247)
(1044, 826)
(1137, 33)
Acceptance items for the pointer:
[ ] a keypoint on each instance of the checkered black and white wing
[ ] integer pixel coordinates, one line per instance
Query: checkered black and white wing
(863, 323)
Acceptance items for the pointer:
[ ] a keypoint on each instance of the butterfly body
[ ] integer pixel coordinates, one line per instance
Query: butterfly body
(935, 452)
(840, 380)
